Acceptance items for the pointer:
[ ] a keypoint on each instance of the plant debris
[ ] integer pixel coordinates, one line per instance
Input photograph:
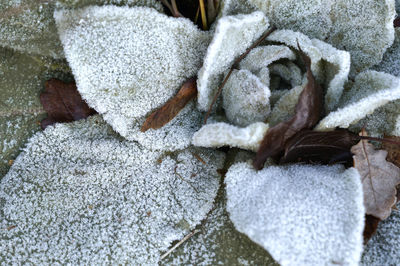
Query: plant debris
(63, 103)
(320, 147)
(307, 114)
(172, 107)
(379, 178)
(371, 224)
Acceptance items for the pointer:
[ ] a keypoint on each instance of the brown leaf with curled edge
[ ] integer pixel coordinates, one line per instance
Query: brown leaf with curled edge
(172, 107)
(393, 154)
(371, 224)
(379, 178)
(307, 114)
(320, 147)
(63, 103)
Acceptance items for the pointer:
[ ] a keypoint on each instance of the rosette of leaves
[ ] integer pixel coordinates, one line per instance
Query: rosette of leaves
(262, 91)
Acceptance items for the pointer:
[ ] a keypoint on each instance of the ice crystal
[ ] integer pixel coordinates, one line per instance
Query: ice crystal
(79, 194)
(301, 214)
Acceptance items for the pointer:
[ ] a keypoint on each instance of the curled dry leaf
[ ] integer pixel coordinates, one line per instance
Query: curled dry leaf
(379, 178)
(320, 147)
(307, 114)
(63, 103)
(172, 107)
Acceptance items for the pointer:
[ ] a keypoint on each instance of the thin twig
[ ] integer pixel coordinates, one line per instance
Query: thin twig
(175, 8)
(196, 18)
(172, 8)
(180, 243)
(203, 14)
(234, 65)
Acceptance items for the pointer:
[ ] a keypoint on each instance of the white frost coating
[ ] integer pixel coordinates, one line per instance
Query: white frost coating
(383, 247)
(262, 56)
(234, 7)
(233, 35)
(362, 27)
(333, 75)
(301, 214)
(78, 194)
(370, 91)
(28, 25)
(222, 134)
(310, 17)
(383, 121)
(391, 59)
(245, 98)
(264, 76)
(129, 61)
(285, 107)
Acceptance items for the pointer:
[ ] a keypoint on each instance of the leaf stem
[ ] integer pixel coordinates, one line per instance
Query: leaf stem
(203, 14)
(234, 65)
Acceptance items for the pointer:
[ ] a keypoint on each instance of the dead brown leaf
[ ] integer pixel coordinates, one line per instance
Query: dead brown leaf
(320, 147)
(172, 107)
(379, 178)
(307, 114)
(396, 22)
(63, 103)
(392, 149)
(371, 224)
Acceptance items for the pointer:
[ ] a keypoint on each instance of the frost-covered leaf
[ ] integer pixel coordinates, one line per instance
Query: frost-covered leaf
(362, 27)
(222, 134)
(290, 72)
(383, 248)
(234, 7)
(21, 80)
(79, 194)
(370, 91)
(379, 178)
(310, 17)
(233, 35)
(301, 214)
(391, 59)
(28, 25)
(63, 103)
(263, 56)
(218, 243)
(156, 4)
(329, 65)
(128, 62)
(285, 107)
(245, 98)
